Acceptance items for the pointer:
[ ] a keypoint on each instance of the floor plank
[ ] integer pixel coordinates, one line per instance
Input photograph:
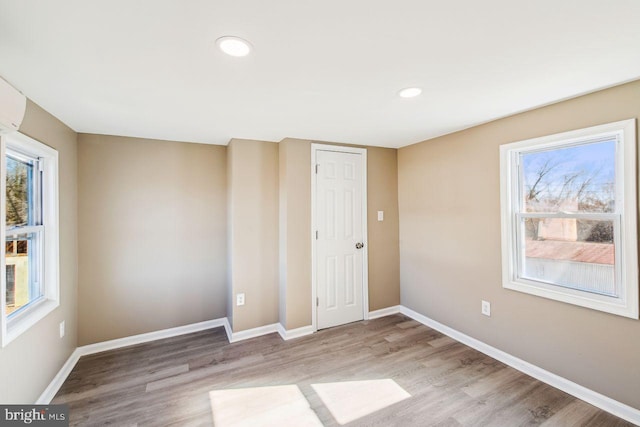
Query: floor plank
(167, 382)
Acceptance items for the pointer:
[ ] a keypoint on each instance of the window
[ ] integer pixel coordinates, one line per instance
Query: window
(29, 191)
(569, 217)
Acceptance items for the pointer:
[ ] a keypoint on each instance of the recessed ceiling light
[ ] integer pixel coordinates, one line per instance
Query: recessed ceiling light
(410, 92)
(234, 46)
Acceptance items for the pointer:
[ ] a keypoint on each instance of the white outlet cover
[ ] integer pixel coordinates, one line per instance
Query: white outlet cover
(240, 299)
(62, 329)
(486, 308)
(380, 215)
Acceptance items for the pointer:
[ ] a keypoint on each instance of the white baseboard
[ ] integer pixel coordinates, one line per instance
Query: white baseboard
(294, 333)
(254, 332)
(384, 312)
(57, 381)
(55, 384)
(267, 329)
(601, 401)
(150, 336)
(228, 329)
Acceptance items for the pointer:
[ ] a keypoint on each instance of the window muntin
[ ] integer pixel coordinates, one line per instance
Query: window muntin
(568, 214)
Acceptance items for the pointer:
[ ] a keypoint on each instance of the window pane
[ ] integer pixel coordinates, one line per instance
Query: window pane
(11, 286)
(569, 252)
(578, 178)
(23, 286)
(20, 193)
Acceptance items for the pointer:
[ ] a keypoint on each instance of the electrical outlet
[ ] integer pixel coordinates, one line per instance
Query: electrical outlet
(380, 215)
(240, 299)
(486, 308)
(62, 329)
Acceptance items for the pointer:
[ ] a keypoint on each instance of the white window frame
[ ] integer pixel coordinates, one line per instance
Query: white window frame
(626, 249)
(11, 328)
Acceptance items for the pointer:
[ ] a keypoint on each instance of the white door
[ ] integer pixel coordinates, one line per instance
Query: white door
(340, 252)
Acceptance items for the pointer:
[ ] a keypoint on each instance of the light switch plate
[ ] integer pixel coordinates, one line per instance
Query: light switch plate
(380, 215)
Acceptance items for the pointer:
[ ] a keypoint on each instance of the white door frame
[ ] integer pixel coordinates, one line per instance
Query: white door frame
(365, 255)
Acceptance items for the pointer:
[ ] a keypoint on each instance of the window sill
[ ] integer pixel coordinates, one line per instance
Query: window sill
(593, 301)
(24, 321)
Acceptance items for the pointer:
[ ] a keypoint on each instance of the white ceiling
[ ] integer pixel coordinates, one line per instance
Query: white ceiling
(323, 70)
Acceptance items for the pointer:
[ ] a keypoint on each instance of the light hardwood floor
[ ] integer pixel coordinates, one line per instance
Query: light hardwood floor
(167, 382)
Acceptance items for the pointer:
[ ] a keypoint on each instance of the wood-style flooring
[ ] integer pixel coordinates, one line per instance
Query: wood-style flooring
(167, 382)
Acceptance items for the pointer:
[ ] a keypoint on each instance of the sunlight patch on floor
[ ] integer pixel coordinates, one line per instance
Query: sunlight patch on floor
(349, 400)
(262, 406)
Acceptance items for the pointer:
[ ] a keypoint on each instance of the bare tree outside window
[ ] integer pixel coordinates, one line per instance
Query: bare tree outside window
(17, 193)
(571, 180)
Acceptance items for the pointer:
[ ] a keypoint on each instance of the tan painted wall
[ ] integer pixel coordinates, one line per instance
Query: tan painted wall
(253, 222)
(449, 195)
(229, 235)
(295, 233)
(282, 232)
(384, 253)
(30, 362)
(152, 229)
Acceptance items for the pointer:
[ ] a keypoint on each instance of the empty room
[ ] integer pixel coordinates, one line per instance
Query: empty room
(304, 213)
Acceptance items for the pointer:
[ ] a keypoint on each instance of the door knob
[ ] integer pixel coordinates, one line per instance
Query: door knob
(359, 245)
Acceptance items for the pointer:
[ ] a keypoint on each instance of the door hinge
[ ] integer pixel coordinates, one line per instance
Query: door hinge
(317, 302)
(316, 168)
(316, 234)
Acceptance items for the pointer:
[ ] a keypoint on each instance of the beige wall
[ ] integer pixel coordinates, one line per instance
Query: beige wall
(449, 196)
(30, 362)
(295, 233)
(152, 230)
(229, 235)
(282, 232)
(383, 236)
(253, 228)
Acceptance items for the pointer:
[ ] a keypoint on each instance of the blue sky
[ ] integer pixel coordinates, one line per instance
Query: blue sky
(594, 160)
